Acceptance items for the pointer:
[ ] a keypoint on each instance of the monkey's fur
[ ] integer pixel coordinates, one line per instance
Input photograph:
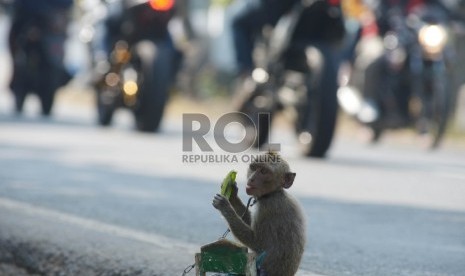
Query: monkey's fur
(277, 227)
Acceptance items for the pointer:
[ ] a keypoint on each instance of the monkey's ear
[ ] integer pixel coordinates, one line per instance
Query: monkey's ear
(288, 180)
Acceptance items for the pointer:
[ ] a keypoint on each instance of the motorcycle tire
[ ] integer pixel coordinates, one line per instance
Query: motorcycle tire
(440, 105)
(320, 111)
(376, 133)
(49, 72)
(46, 100)
(105, 111)
(260, 126)
(18, 87)
(156, 80)
(20, 98)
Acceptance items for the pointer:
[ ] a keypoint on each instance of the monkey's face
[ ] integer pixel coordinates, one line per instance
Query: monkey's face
(262, 179)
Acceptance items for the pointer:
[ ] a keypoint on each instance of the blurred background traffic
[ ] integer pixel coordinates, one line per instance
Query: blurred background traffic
(92, 180)
(385, 64)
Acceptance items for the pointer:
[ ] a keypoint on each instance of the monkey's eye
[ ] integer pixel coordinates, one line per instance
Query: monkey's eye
(263, 170)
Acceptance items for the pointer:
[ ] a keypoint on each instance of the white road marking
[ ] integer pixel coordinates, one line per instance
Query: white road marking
(157, 240)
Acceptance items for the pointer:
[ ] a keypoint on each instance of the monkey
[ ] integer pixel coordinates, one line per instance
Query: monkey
(276, 229)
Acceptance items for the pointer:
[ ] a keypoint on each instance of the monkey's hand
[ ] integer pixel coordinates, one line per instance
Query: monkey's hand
(222, 204)
(235, 189)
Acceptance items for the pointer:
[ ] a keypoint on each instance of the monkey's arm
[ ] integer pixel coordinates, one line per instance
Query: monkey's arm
(240, 208)
(238, 227)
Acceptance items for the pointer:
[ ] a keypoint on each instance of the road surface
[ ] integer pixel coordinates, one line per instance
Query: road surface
(77, 197)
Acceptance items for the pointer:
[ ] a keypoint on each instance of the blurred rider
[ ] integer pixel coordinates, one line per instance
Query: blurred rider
(250, 16)
(38, 26)
(33, 12)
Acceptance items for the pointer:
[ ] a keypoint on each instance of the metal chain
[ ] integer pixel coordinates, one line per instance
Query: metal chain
(249, 204)
(188, 269)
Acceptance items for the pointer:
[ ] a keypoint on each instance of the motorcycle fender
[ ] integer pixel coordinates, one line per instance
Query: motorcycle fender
(315, 62)
(315, 59)
(146, 50)
(159, 56)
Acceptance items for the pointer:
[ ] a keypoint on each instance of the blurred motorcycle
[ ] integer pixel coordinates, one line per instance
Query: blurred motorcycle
(141, 64)
(296, 75)
(411, 80)
(37, 46)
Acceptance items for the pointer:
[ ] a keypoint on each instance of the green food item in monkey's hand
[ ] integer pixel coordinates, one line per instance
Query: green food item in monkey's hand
(227, 184)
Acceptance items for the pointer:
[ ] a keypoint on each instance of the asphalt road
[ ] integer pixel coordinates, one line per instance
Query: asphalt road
(84, 200)
(76, 199)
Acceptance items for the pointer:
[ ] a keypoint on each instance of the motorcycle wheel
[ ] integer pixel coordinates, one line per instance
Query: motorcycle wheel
(377, 132)
(156, 79)
(20, 97)
(48, 91)
(48, 81)
(46, 100)
(105, 109)
(20, 83)
(49, 72)
(440, 106)
(320, 113)
(19, 102)
(253, 105)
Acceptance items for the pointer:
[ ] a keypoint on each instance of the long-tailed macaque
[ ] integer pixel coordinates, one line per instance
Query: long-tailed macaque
(276, 230)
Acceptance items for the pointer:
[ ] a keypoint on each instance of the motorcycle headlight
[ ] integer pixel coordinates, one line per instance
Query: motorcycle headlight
(433, 38)
(130, 88)
(260, 75)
